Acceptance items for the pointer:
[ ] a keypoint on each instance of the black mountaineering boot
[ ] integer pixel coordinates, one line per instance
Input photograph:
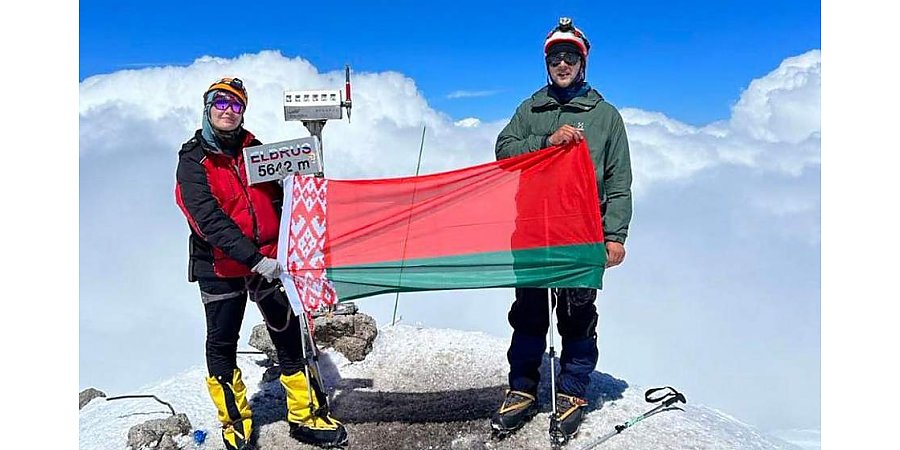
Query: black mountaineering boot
(570, 411)
(326, 433)
(309, 422)
(518, 407)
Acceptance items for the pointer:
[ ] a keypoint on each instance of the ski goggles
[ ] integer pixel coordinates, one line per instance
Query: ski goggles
(231, 85)
(558, 58)
(223, 103)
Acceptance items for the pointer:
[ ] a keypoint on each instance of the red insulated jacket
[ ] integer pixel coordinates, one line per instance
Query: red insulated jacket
(233, 225)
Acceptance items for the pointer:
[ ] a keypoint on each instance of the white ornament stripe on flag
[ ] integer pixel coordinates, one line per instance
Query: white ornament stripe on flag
(302, 243)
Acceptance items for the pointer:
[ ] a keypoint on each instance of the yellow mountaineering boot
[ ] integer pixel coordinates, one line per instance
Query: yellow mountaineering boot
(230, 397)
(308, 423)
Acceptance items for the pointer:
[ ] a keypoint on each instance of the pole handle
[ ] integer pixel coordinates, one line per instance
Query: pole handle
(668, 397)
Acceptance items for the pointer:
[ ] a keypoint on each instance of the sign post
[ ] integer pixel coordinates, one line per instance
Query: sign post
(315, 107)
(271, 162)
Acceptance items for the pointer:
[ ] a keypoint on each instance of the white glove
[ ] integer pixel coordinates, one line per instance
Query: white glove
(283, 172)
(269, 268)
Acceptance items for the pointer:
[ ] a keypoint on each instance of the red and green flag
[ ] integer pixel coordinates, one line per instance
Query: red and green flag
(528, 221)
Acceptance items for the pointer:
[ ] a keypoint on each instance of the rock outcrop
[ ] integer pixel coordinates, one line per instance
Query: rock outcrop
(159, 434)
(85, 396)
(350, 334)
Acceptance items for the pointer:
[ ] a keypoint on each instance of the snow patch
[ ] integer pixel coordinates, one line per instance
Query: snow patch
(406, 388)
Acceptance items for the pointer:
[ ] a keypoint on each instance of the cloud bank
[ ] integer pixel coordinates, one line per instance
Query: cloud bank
(470, 94)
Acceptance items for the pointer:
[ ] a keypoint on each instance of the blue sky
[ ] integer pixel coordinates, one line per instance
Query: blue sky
(722, 105)
(688, 58)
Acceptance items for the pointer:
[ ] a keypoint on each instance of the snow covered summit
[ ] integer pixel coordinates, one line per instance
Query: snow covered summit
(421, 388)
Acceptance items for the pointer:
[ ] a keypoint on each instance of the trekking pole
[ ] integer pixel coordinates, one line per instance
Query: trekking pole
(317, 375)
(554, 438)
(305, 327)
(668, 398)
(313, 354)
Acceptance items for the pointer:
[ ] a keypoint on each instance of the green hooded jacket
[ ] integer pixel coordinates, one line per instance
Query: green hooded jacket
(541, 115)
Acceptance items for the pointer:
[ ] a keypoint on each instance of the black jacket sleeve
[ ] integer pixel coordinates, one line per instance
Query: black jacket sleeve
(206, 216)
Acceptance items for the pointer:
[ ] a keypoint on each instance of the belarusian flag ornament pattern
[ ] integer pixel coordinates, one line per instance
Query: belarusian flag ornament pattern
(305, 256)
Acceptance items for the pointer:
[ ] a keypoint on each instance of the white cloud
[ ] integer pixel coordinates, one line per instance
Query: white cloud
(381, 140)
(468, 122)
(470, 94)
(783, 106)
(775, 126)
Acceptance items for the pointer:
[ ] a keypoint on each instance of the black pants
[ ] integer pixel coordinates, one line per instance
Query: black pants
(225, 299)
(576, 316)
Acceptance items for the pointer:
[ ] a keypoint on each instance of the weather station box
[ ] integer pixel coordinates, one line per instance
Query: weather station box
(313, 105)
(269, 162)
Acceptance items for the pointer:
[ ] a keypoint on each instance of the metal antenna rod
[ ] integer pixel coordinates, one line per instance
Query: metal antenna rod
(418, 166)
(348, 103)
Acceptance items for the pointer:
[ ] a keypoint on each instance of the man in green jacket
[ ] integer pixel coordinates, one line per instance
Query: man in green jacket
(566, 110)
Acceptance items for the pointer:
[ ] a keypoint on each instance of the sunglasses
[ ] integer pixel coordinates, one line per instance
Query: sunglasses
(557, 58)
(223, 103)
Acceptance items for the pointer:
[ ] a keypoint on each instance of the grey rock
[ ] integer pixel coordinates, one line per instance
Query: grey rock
(350, 334)
(260, 340)
(167, 443)
(85, 396)
(159, 434)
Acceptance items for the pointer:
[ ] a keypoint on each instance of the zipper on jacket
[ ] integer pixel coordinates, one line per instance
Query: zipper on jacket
(558, 115)
(237, 173)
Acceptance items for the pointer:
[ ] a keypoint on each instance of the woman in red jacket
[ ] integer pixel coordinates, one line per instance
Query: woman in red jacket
(233, 243)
